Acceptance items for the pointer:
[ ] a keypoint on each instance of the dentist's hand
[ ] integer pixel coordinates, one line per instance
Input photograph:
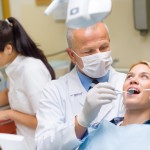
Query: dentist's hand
(100, 94)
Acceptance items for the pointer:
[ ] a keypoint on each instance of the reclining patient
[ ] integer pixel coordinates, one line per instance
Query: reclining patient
(131, 132)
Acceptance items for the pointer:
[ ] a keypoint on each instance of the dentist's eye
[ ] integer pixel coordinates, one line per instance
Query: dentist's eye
(103, 48)
(89, 52)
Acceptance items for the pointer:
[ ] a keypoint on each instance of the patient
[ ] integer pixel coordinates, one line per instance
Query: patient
(131, 131)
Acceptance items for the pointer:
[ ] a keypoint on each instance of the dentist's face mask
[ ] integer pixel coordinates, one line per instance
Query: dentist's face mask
(96, 65)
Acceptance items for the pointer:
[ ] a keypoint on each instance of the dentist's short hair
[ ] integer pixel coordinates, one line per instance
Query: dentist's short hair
(69, 34)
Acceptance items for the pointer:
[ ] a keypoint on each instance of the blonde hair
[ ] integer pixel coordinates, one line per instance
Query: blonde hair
(140, 62)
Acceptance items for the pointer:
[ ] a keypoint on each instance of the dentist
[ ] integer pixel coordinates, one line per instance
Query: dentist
(67, 109)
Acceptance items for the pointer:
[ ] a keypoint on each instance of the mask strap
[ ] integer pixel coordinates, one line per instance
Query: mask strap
(77, 56)
(75, 53)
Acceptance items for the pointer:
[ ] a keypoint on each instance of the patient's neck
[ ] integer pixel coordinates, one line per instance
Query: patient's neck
(136, 117)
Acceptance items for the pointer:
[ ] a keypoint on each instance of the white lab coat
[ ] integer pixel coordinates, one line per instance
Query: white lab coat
(27, 77)
(61, 101)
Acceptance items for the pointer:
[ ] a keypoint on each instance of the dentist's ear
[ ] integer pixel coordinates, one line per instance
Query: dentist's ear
(8, 49)
(71, 55)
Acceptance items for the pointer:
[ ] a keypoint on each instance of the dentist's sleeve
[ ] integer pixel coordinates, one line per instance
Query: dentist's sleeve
(53, 131)
(63, 139)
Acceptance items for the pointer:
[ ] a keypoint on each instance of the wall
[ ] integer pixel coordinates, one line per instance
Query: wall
(43, 29)
(126, 43)
(1, 14)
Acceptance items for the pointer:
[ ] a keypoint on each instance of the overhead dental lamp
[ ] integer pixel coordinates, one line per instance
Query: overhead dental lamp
(82, 13)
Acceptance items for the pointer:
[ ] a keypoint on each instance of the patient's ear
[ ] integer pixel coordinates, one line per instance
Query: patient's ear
(8, 49)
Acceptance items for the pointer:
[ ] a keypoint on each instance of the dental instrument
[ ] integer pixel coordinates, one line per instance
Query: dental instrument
(130, 92)
(120, 92)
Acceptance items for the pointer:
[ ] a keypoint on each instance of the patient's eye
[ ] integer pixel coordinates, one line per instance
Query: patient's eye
(145, 76)
(129, 76)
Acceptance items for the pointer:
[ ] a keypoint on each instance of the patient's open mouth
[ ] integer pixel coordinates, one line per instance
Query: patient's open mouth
(133, 91)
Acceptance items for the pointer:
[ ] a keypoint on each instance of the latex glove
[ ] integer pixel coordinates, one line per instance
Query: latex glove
(100, 94)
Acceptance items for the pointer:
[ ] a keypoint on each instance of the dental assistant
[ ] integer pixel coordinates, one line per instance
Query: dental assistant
(65, 110)
(28, 71)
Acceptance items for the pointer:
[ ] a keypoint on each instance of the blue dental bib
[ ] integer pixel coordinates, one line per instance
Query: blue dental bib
(111, 137)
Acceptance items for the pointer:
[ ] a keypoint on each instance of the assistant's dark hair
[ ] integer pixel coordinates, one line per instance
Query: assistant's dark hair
(11, 31)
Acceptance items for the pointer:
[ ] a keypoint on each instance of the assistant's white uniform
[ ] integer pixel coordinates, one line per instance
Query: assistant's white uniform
(26, 78)
(61, 101)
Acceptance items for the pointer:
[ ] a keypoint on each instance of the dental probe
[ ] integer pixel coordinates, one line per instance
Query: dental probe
(146, 89)
(120, 92)
(132, 91)
(129, 92)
